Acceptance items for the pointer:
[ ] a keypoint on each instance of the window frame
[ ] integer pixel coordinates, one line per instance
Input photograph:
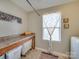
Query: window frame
(52, 27)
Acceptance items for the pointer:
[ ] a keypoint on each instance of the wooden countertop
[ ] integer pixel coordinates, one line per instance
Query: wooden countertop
(12, 43)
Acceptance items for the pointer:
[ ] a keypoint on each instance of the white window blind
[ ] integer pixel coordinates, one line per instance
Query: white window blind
(49, 21)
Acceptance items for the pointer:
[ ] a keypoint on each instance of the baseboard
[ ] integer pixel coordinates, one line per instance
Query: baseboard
(41, 49)
(65, 56)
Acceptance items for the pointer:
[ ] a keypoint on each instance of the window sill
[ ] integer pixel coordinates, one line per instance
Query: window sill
(52, 40)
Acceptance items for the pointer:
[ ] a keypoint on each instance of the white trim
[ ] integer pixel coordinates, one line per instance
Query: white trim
(65, 56)
(41, 49)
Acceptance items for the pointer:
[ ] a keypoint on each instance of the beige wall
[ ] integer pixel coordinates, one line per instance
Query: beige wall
(71, 11)
(8, 28)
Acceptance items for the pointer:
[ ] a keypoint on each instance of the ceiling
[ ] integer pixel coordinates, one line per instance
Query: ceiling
(39, 4)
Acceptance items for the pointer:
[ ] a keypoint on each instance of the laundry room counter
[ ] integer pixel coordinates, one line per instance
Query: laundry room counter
(9, 43)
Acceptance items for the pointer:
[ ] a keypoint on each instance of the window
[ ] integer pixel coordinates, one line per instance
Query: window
(52, 22)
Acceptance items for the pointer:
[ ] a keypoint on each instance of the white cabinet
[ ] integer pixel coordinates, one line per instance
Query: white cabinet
(75, 48)
(2, 57)
(26, 47)
(14, 54)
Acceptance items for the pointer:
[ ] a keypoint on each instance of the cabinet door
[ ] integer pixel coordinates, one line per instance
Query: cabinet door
(75, 48)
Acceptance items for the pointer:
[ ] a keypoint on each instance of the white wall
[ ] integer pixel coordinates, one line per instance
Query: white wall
(71, 11)
(8, 28)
